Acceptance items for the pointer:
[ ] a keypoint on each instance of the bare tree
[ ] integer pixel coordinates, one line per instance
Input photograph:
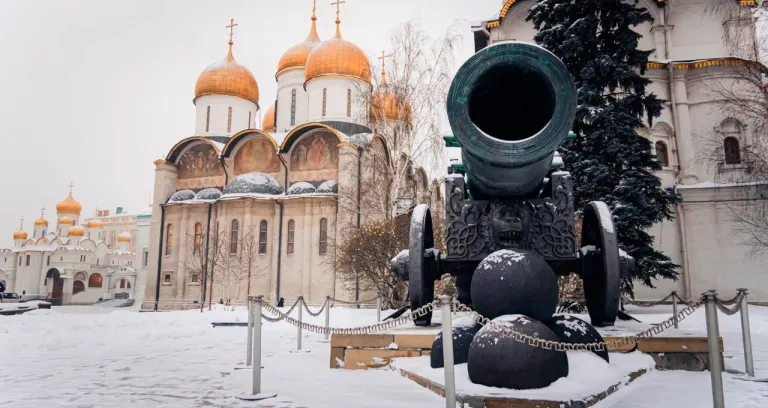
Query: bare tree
(736, 151)
(204, 267)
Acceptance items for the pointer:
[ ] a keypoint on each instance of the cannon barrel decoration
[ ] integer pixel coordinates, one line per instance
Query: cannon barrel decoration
(509, 204)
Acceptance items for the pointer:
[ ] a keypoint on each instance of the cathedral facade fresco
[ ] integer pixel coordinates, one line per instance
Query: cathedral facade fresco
(199, 166)
(256, 155)
(315, 157)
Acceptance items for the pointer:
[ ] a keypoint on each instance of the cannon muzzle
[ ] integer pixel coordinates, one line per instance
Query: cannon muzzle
(510, 106)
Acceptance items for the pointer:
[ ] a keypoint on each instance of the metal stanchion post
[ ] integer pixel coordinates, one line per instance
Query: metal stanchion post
(256, 392)
(450, 379)
(378, 308)
(298, 335)
(713, 347)
(746, 334)
(674, 307)
(327, 315)
(250, 331)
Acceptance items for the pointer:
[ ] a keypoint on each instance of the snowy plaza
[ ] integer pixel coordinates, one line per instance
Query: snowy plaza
(103, 357)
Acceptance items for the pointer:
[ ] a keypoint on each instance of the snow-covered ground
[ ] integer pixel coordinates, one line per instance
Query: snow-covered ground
(100, 357)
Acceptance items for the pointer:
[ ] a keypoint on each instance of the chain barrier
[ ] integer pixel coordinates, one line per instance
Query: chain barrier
(722, 305)
(355, 330)
(646, 304)
(345, 302)
(315, 314)
(562, 346)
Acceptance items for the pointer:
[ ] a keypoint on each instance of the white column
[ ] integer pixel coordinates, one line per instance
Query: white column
(181, 273)
(684, 139)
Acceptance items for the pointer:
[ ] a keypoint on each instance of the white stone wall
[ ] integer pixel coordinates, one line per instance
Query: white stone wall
(336, 100)
(287, 82)
(220, 105)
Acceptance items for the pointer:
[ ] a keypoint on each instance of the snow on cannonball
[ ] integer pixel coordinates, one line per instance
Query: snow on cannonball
(464, 330)
(496, 359)
(576, 331)
(514, 282)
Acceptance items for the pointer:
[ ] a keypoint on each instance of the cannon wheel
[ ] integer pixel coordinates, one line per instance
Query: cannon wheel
(600, 268)
(421, 265)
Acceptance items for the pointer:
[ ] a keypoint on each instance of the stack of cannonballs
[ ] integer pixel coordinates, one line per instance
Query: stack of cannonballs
(516, 289)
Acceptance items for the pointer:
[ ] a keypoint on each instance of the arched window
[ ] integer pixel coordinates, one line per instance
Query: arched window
(208, 119)
(77, 287)
(233, 237)
(349, 102)
(293, 107)
(662, 154)
(95, 281)
(291, 229)
(168, 240)
(323, 236)
(229, 119)
(128, 284)
(732, 152)
(122, 283)
(198, 237)
(81, 276)
(325, 98)
(249, 120)
(27, 260)
(263, 237)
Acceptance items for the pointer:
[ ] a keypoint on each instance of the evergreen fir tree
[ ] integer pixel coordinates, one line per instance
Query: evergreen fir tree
(609, 160)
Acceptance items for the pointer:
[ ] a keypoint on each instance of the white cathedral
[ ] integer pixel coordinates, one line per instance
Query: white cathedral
(691, 57)
(268, 203)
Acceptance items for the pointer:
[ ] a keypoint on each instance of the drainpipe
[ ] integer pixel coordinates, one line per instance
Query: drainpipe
(673, 109)
(205, 261)
(280, 230)
(224, 166)
(160, 256)
(359, 180)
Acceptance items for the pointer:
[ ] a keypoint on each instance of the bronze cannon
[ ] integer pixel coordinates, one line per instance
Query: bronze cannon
(510, 107)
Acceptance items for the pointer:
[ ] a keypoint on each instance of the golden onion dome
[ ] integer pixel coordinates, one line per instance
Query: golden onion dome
(337, 57)
(66, 221)
(124, 237)
(95, 223)
(385, 105)
(227, 77)
(268, 123)
(69, 205)
(296, 56)
(20, 235)
(41, 222)
(76, 231)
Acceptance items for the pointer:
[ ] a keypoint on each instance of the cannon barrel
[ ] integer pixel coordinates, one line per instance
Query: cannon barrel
(510, 106)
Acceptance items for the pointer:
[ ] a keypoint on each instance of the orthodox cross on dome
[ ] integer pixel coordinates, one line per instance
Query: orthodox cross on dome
(71, 184)
(21, 224)
(383, 69)
(42, 212)
(338, 4)
(314, 8)
(231, 27)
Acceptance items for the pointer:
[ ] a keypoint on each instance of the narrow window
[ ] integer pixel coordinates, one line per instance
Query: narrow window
(233, 237)
(208, 119)
(20, 260)
(48, 261)
(291, 228)
(661, 153)
(293, 107)
(229, 119)
(325, 97)
(349, 102)
(168, 240)
(144, 261)
(249, 120)
(323, 236)
(27, 260)
(167, 278)
(198, 242)
(732, 152)
(195, 278)
(263, 237)
(97, 262)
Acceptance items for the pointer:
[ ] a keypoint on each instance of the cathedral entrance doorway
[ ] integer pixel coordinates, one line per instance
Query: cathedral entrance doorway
(57, 291)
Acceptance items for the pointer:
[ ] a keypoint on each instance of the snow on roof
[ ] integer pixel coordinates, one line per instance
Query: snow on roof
(259, 183)
(301, 187)
(121, 252)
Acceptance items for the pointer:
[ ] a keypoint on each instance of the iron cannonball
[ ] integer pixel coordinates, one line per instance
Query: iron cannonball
(464, 330)
(496, 359)
(514, 282)
(576, 331)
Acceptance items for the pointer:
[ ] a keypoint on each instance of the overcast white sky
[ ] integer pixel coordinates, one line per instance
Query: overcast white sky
(94, 91)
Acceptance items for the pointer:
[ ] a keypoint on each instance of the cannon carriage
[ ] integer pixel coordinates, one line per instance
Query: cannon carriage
(510, 106)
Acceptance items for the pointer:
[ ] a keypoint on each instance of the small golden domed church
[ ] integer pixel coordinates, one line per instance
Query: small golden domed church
(245, 208)
(70, 263)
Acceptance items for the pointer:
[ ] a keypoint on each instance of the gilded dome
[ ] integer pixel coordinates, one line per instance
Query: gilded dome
(337, 57)
(69, 205)
(96, 223)
(20, 235)
(385, 105)
(124, 237)
(41, 222)
(76, 231)
(296, 56)
(227, 77)
(268, 124)
(66, 221)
